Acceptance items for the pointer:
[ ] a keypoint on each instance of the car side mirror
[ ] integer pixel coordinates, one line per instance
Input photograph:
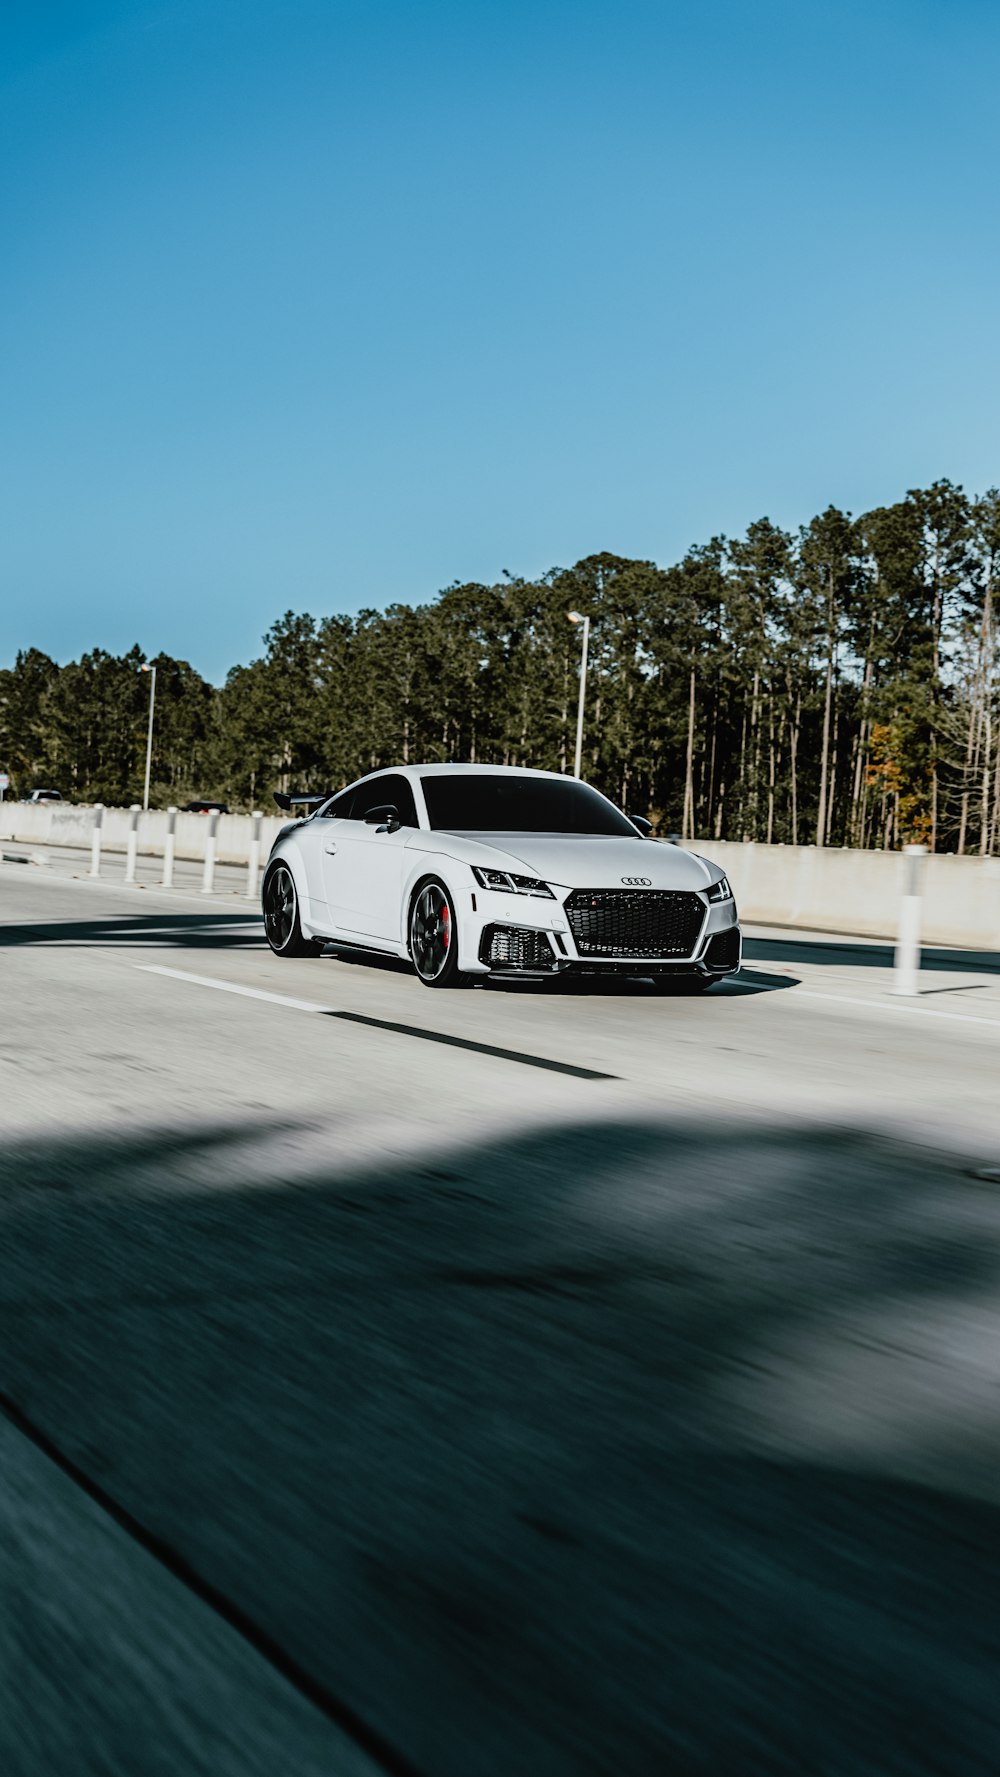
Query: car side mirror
(645, 827)
(384, 820)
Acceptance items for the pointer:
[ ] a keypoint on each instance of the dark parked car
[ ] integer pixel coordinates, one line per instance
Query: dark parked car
(200, 806)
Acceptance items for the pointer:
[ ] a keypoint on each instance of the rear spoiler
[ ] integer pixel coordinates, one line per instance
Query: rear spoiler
(286, 801)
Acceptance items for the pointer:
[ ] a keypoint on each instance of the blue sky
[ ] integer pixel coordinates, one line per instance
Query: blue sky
(319, 305)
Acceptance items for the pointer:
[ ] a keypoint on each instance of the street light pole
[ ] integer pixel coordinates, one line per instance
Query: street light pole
(578, 617)
(151, 670)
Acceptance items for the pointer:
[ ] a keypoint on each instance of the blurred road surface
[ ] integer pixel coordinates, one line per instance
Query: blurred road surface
(560, 1379)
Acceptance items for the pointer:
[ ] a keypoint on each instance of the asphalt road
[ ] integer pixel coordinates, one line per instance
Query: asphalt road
(540, 1379)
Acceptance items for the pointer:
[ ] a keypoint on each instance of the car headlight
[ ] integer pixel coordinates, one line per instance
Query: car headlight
(720, 891)
(502, 882)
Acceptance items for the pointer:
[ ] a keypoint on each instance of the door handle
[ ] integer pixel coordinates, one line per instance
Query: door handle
(331, 848)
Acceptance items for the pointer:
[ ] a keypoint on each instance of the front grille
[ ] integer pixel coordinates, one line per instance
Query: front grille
(635, 922)
(512, 947)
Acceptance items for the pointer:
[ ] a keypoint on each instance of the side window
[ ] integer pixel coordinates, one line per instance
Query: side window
(340, 808)
(387, 789)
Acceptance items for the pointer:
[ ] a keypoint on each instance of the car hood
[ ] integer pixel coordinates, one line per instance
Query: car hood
(583, 861)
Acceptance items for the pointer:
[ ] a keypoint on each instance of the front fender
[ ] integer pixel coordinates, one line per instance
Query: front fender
(461, 885)
(476, 907)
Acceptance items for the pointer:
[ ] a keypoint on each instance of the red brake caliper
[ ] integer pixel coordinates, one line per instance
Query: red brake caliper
(445, 928)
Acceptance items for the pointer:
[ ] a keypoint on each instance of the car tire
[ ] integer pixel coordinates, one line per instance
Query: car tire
(432, 936)
(282, 926)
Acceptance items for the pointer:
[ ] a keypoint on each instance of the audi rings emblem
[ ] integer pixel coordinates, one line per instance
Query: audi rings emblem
(638, 881)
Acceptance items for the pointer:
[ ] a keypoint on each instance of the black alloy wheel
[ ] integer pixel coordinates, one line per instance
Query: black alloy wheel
(282, 927)
(434, 938)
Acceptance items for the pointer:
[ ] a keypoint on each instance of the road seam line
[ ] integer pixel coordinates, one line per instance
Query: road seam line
(440, 1036)
(522, 1057)
(169, 1557)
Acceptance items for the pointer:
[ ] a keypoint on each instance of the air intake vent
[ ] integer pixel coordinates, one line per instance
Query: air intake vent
(724, 950)
(511, 947)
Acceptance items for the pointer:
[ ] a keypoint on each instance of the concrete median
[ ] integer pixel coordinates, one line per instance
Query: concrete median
(813, 888)
(73, 825)
(837, 890)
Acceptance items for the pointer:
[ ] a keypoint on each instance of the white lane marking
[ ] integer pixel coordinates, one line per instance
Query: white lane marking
(801, 993)
(843, 999)
(249, 993)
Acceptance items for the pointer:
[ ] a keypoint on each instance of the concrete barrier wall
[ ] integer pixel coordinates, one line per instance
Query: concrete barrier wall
(828, 890)
(833, 890)
(68, 824)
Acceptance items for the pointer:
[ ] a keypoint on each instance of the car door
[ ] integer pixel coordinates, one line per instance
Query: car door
(318, 842)
(363, 860)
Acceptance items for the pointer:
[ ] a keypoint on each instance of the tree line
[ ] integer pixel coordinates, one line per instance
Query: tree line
(838, 686)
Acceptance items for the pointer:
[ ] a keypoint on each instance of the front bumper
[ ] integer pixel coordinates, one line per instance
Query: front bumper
(528, 935)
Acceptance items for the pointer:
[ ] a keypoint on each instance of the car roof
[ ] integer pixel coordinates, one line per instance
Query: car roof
(468, 770)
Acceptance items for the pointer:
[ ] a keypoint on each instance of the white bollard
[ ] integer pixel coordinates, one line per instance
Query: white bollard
(209, 873)
(906, 962)
(95, 840)
(253, 867)
(133, 842)
(168, 848)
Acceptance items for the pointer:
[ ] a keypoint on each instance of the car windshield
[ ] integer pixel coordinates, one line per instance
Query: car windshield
(469, 802)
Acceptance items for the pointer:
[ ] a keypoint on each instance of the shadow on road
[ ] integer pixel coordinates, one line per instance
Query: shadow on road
(607, 1448)
(615, 986)
(846, 954)
(241, 931)
(184, 931)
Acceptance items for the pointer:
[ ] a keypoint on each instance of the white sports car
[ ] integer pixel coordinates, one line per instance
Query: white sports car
(476, 870)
